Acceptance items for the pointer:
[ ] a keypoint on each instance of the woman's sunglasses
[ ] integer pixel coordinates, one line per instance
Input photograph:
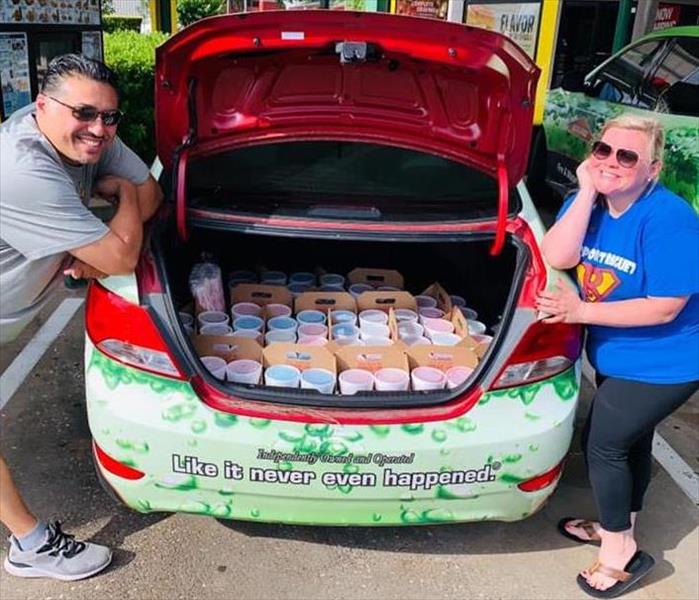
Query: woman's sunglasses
(89, 114)
(626, 158)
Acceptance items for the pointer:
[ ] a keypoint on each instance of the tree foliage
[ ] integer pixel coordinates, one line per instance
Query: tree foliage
(189, 11)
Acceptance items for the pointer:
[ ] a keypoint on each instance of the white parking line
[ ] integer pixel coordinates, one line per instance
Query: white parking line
(680, 472)
(26, 360)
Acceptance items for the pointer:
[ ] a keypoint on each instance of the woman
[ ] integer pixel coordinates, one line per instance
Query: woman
(635, 248)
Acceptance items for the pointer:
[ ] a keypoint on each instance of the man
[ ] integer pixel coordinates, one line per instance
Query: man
(53, 156)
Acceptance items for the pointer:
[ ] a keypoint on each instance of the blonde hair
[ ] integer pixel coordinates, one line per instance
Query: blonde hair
(651, 127)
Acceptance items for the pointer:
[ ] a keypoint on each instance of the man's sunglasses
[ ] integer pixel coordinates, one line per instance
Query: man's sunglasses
(626, 158)
(89, 114)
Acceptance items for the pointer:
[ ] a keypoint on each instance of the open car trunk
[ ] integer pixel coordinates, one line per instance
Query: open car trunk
(460, 263)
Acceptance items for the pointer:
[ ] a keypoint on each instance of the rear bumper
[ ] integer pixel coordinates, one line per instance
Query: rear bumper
(196, 459)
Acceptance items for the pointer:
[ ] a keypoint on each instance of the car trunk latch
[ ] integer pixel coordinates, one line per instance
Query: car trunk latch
(351, 52)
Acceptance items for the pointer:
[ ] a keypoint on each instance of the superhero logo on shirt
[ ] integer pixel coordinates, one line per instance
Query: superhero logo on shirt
(596, 283)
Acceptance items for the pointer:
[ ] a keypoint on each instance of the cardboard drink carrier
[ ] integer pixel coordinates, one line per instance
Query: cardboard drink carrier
(227, 347)
(376, 277)
(261, 294)
(324, 302)
(300, 356)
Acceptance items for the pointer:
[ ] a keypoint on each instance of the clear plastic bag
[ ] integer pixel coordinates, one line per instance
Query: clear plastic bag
(206, 285)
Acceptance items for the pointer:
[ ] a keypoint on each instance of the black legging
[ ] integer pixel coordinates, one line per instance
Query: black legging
(618, 439)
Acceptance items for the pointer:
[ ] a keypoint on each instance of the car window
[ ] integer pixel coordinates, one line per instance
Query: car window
(676, 79)
(620, 80)
(342, 180)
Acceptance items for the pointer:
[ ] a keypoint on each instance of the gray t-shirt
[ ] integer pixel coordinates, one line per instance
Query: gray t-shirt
(43, 214)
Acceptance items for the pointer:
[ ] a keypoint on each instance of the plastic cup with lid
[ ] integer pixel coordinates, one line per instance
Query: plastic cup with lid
(468, 313)
(215, 365)
(357, 289)
(372, 315)
(345, 333)
(475, 327)
(332, 279)
(249, 334)
(331, 288)
(280, 335)
(410, 329)
(416, 340)
(297, 289)
(391, 379)
(283, 323)
(310, 316)
(313, 340)
(188, 329)
(241, 276)
(430, 313)
(343, 316)
(315, 378)
(377, 341)
(457, 300)
(313, 329)
(244, 371)
(446, 339)
(212, 317)
(215, 329)
(426, 301)
(369, 329)
(427, 378)
(277, 310)
(273, 278)
(248, 322)
(405, 314)
(282, 376)
(353, 381)
(481, 338)
(302, 278)
(388, 288)
(245, 309)
(457, 375)
(435, 326)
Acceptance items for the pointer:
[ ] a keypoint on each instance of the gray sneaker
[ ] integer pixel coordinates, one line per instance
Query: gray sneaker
(60, 557)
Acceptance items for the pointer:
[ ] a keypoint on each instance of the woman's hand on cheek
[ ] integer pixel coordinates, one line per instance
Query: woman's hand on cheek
(562, 304)
(584, 176)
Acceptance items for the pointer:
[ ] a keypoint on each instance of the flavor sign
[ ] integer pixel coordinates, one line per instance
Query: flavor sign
(518, 21)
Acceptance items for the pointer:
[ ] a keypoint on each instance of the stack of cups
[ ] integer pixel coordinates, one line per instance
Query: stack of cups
(282, 376)
(353, 381)
(215, 365)
(213, 322)
(358, 289)
(391, 380)
(373, 326)
(332, 282)
(427, 378)
(321, 380)
(281, 329)
(244, 371)
(345, 334)
(273, 278)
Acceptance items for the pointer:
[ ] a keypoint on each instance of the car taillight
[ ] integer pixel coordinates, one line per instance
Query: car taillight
(541, 481)
(126, 332)
(114, 466)
(544, 351)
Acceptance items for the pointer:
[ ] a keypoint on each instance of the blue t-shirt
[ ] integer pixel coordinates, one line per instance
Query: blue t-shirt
(652, 249)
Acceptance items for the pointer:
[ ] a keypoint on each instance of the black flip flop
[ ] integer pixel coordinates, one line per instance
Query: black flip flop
(571, 536)
(638, 567)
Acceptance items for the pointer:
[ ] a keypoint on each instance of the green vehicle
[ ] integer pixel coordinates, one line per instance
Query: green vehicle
(657, 75)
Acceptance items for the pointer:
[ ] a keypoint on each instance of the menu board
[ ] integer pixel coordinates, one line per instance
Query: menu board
(14, 71)
(435, 9)
(517, 20)
(92, 44)
(52, 12)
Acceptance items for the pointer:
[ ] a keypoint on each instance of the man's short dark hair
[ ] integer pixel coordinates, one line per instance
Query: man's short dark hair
(70, 65)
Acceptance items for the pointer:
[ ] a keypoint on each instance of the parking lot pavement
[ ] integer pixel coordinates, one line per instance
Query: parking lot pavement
(45, 439)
